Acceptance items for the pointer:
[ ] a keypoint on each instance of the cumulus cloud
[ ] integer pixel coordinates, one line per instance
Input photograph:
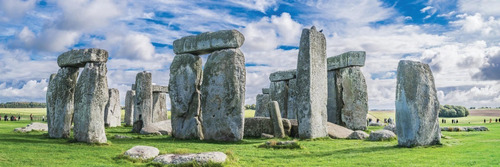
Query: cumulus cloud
(486, 7)
(260, 5)
(31, 91)
(15, 9)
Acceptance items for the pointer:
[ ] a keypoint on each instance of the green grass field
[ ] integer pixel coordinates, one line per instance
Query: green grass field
(458, 149)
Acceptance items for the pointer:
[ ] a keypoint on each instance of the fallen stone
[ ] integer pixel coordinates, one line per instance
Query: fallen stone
(121, 137)
(185, 81)
(359, 135)
(113, 110)
(337, 132)
(283, 75)
(159, 107)
(208, 42)
(292, 96)
(261, 107)
(35, 126)
(129, 108)
(417, 105)
(143, 98)
(200, 158)
(159, 89)
(311, 76)
(353, 97)
(157, 128)
(274, 112)
(255, 126)
(265, 90)
(266, 136)
(279, 92)
(382, 135)
(91, 97)
(62, 103)
(375, 124)
(347, 59)
(142, 152)
(391, 127)
(79, 57)
(464, 129)
(223, 95)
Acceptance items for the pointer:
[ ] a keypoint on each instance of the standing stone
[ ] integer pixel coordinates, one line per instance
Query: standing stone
(50, 98)
(185, 81)
(292, 95)
(261, 107)
(113, 111)
(91, 97)
(62, 90)
(353, 97)
(334, 104)
(279, 92)
(223, 95)
(417, 105)
(143, 98)
(129, 108)
(274, 111)
(311, 76)
(159, 107)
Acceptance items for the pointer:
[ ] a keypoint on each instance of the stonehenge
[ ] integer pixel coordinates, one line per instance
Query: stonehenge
(113, 110)
(417, 105)
(278, 129)
(129, 108)
(61, 104)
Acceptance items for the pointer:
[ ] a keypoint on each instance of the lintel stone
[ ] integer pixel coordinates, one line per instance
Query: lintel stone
(283, 75)
(265, 90)
(80, 57)
(208, 42)
(347, 59)
(160, 89)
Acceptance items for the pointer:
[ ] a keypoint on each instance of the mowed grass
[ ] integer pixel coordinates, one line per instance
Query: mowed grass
(458, 149)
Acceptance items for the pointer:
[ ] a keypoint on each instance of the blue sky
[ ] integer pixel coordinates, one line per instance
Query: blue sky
(459, 39)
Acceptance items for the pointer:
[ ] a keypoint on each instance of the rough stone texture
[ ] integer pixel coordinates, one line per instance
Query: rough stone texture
(255, 126)
(274, 112)
(261, 107)
(208, 42)
(142, 152)
(375, 124)
(121, 137)
(347, 59)
(294, 131)
(311, 76)
(49, 98)
(391, 127)
(159, 89)
(200, 158)
(279, 92)
(33, 126)
(143, 98)
(133, 87)
(159, 107)
(382, 135)
(136, 128)
(129, 108)
(265, 90)
(185, 80)
(353, 97)
(62, 104)
(79, 57)
(466, 128)
(417, 105)
(223, 95)
(266, 136)
(359, 135)
(283, 75)
(158, 128)
(334, 104)
(292, 96)
(337, 132)
(113, 110)
(91, 97)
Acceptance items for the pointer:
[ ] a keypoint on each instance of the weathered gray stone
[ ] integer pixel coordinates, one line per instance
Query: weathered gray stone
(35, 126)
(113, 110)
(337, 132)
(265, 90)
(466, 128)
(157, 128)
(255, 126)
(121, 137)
(266, 136)
(62, 104)
(382, 135)
(279, 92)
(359, 135)
(274, 112)
(185, 81)
(292, 96)
(159, 89)
(133, 86)
(79, 57)
(137, 126)
(129, 108)
(223, 95)
(208, 42)
(200, 158)
(311, 76)
(391, 127)
(283, 75)
(353, 97)
(49, 100)
(375, 124)
(142, 152)
(417, 105)
(347, 59)
(334, 104)
(261, 107)
(91, 97)
(159, 107)
(143, 98)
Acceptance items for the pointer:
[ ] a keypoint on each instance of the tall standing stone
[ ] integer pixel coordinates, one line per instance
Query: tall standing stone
(417, 105)
(184, 86)
(311, 76)
(143, 98)
(351, 87)
(292, 95)
(223, 95)
(129, 107)
(159, 107)
(278, 91)
(274, 111)
(261, 106)
(113, 110)
(91, 97)
(62, 90)
(50, 98)
(334, 105)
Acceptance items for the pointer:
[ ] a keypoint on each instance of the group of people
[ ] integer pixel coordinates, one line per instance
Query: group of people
(12, 118)
(389, 121)
(491, 120)
(453, 121)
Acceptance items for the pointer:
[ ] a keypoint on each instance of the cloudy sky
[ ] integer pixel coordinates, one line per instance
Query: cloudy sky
(459, 39)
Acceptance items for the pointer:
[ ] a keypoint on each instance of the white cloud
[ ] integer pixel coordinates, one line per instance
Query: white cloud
(31, 91)
(423, 10)
(15, 9)
(259, 5)
(88, 14)
(485, 7)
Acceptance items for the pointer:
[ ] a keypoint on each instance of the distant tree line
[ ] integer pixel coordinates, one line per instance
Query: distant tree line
(453, 111)
(250, 107)
(23, 105)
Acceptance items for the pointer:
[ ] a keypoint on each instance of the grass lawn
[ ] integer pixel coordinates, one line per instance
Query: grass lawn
(458, 149)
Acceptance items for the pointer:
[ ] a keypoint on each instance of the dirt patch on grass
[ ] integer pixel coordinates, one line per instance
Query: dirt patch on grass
(488, 113)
